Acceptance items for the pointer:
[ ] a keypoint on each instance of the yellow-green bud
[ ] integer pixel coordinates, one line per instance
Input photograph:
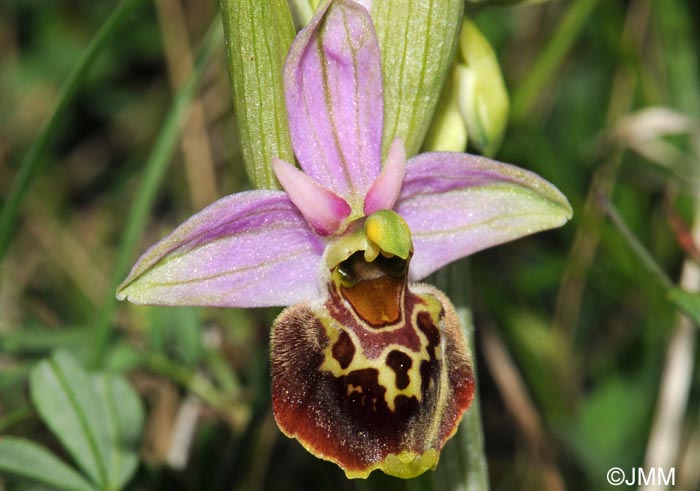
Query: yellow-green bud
(482, 98)
(448, 130)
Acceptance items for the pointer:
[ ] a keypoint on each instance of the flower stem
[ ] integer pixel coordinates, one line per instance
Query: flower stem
(463, 461)
(635, 244)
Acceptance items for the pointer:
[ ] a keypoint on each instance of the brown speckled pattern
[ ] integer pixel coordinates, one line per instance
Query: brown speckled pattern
(330, 373)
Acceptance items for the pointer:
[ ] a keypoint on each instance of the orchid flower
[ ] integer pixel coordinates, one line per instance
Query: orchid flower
(369, 369)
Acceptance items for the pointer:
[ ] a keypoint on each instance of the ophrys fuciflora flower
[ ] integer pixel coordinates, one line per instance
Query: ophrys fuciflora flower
(369, 368)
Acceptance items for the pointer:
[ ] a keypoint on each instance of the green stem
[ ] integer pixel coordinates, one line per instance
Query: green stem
(31, 163)
(463, 462)
(642, 254)
(154, 171)
(16, 416)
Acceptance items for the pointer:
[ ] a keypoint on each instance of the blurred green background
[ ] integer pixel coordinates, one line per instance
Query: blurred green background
(584, 363)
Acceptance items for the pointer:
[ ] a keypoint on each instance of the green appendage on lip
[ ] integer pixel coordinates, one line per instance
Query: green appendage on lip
(383, 232)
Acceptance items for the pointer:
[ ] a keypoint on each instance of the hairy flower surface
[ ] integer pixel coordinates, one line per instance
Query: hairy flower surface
(369, 369)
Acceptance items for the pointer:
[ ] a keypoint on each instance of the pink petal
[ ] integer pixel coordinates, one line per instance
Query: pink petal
(323, 209)
(456, 204)
(333, 88)
(385, 189)
(250, 249)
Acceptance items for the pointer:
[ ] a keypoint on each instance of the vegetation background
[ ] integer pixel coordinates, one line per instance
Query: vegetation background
(584, 361)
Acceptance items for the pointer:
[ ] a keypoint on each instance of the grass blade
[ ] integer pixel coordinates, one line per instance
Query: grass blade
(550, 59)
(30, 164)
(154, 171)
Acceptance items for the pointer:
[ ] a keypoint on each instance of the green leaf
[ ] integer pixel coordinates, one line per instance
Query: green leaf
(32, 340)
(687, 302)
(97, 418)
(545, 360)
(125, 421)
(26, 459)
(258, 36)
(68, 403)
(613, 403)
(417, 52)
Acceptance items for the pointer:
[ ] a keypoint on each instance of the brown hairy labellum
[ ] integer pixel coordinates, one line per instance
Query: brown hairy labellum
(378, 376)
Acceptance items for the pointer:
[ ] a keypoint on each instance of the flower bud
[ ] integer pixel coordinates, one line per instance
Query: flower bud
(448, 130)
(482, 97)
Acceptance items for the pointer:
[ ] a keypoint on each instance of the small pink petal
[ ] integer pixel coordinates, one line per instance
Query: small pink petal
(385, 189)
(323, 209)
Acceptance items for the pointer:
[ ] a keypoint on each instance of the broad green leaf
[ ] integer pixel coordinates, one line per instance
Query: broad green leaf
(122, 357)
(417, 51)
(613, 403)
(258, 36)
(546, 363)
(125, 421)
(687, 302)
(67, 401)
(98, 418)
(26, 459)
